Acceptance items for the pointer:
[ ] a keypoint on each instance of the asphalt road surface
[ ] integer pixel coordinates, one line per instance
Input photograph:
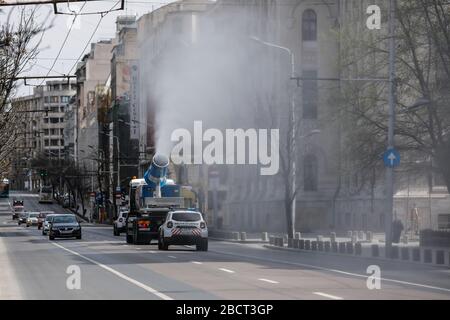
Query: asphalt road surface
(35, 268)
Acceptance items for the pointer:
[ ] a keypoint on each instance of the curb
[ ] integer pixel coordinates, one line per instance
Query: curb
(239, 241)
(345, 255)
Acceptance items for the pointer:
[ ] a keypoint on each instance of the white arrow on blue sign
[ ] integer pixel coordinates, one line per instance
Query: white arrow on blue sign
(391, 158)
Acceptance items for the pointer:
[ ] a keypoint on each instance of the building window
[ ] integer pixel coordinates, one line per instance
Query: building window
(310, 95)
(45, 120)
(46, 99)
(65, 99)
(310, 173)
(54, 143)
(45, 132)
(46, 142)
(309, 25)
(54, 120)
(54, 99)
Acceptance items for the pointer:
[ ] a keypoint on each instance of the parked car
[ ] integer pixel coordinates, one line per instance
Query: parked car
(46, 224)
(64, 226)
(120, 222)
(41, 218)
(32, 219)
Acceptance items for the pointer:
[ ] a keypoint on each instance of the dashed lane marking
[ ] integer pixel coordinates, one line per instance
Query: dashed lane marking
(117, 273)
(328, 296)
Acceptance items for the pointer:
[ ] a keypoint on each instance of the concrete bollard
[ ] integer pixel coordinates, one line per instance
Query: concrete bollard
(272, 240)
(349, 234)
(349, 247)
(314, 245)
(301, 244)
(333, 236)
(394, 252)
(405, 253)
(307, 244)
(358, 249)
(375, 250)
(342, 247)
(298, 235)
(334, 247)
(243, 236)
(235, 235)
(320, 245)
(361, 235)
(427, 256)
(319, 238)
(290, 243)
(327, 246)
(416, 254)
(440, 258)
(264, 236)
(369, 236)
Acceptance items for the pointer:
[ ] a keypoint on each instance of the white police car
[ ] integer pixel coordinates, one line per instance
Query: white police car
(120, 223)
(183, 227)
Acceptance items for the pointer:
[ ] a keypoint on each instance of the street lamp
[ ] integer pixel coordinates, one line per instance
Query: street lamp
(293, 124)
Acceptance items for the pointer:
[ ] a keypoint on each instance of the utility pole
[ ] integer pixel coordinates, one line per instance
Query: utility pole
(391, 128)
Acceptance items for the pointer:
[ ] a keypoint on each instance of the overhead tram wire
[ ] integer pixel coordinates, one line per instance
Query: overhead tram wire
(63, 44)
(102, 15)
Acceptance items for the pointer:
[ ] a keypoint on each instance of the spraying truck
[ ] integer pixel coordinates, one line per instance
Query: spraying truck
(150, 200)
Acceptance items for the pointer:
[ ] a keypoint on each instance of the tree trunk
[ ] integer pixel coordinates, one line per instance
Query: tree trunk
(288, 207)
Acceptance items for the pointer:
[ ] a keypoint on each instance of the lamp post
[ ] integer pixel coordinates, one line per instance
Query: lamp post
(293, 121)
(391, 128)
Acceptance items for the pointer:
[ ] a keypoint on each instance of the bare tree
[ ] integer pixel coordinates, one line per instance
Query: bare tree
(20, 39)
(423, 74)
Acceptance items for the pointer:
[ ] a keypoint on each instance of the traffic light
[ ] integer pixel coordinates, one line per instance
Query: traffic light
(43, 173)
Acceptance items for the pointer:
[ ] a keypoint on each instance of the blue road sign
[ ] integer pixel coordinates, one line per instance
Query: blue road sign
(391, 158)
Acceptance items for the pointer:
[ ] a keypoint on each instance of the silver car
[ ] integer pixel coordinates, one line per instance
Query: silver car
(32, 219)
(46, 224)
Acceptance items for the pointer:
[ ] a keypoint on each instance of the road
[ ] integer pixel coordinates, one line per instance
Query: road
(35, 268)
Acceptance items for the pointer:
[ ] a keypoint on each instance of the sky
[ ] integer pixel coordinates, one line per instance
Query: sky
(80, 33)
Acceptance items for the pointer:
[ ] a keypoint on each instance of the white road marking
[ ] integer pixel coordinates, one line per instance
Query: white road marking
(173, 257)
(196, 262)
(267, 280)
(333, 270)
(328, 296)
(226, 270)
(117, 273)
(138, 248)
(151, 251)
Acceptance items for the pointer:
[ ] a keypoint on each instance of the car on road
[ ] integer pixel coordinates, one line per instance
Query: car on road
(23, 215)
(120, 223)
(32, 219)
(41, 218)
(183, 227)
(16, 211)
(46, 224)
(64, 226)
